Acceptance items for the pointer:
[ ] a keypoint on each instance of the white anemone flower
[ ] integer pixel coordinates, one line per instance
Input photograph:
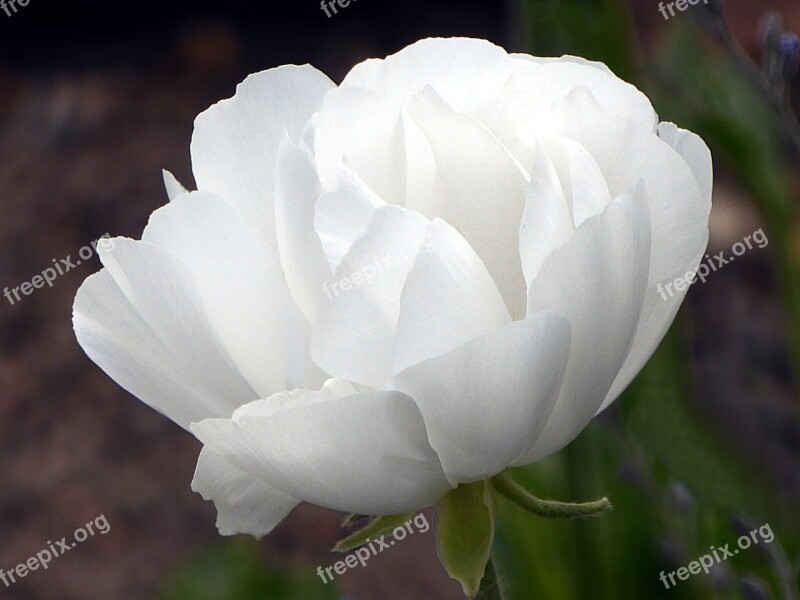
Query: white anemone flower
(441, 268)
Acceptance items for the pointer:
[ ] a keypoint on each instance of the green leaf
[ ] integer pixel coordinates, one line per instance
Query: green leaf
(380, 526)
(464, 525)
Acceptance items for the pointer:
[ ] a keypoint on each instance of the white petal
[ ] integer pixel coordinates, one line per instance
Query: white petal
(598, 282)
(296, 192)
(455, 67)
(172, 185)
(479, 189)
(660, 310)
(353, 337)
(547, 223)
(235, 142)
(486, 402)
(240, 282)
(244, 504)
(448, 300)
(363, 453)
(342, 215)
(560, 76)
(584, 185)
(694, 151)
(627, 154)
(143, 322)
(678, 194)
(408, 290)
(362, 128)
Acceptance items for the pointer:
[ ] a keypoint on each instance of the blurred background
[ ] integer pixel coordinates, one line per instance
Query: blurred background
(97, 97)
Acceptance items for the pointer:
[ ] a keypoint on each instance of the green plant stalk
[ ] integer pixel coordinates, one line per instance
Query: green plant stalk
(549, 509)
(491, 586)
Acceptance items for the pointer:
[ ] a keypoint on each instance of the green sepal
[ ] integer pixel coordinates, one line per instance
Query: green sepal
(464, 526)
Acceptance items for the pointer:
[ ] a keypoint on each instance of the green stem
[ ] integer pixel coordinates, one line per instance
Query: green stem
(550, 509)
(491, 587)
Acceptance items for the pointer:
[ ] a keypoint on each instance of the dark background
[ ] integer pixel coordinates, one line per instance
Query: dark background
(95, 99)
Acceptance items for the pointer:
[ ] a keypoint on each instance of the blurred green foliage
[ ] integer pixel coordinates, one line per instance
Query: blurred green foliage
(235, 569)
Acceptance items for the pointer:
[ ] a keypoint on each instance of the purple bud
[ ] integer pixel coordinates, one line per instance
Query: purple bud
(789, 44)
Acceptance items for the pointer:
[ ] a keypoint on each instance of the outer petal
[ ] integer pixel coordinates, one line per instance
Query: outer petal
(678, 198)
(660, 313)
(696, 154)
(143, 322)
(559, 76)
(364, 453)
(172, 185)
(242, 286)
(244, 504)
(598, 282)
(235, 143)
(627, 154)
(486, 402)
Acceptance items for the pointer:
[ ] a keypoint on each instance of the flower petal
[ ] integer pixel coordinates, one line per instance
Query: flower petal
(660, 312)
(342, 215)
(547, 222)
(608, 261)
(244, 504)
(559, 76)
(352, 123)
(296, 192)
(455, 67)
(353, 337)
(391, 303)
(479, 189)
(485, 402)
(241, 284)
(141, 319)
(235, 142)
(364, 453)
(678, 197)
(448, 299)
(695, 152)
(172, 185)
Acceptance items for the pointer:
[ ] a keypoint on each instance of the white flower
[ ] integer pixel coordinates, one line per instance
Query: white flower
(444, 267)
